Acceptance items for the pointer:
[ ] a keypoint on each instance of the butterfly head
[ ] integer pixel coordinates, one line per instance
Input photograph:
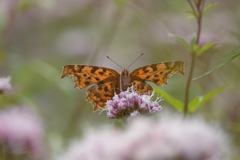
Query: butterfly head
(124, 72)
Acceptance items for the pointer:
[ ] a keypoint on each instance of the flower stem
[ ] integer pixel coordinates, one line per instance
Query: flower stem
(199, 5)
(185, 111)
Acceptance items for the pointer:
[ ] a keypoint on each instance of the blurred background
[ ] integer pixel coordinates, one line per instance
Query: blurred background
(39, 37)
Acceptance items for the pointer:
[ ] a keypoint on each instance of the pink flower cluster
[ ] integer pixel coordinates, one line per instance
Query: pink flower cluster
(5, 85)
(129, 103)
(21, 131)
(169, 139)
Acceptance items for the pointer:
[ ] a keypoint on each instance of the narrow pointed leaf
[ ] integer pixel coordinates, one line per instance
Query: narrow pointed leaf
(209, 6)
(205, 48)
(180, 41)
(232, 55)
(200, 100)
(192, 15)
(177, 104)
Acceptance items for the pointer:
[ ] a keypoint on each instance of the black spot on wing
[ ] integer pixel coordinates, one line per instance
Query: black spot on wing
(102, 100)
(106, 95)
(154, 67)
(100, 82)
(146, 71)
(80, 68)
(101, 73)
(100, 85)
(106, 89)
(96, 94)
(94, 69)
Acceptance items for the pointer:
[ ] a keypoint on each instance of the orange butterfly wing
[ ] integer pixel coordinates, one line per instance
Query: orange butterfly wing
(108, 81)
(105, 79)
(158, 73)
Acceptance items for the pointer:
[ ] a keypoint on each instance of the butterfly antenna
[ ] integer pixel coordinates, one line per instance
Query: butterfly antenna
(135, 60)
(114, 62)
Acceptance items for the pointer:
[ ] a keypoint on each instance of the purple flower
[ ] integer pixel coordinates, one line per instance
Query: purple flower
(5, 86)
(143, 139)
(21, 131)
(130, 103)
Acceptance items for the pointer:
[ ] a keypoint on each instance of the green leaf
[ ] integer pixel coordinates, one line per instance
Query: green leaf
(232, 55)
(25, 5)
(196, 48)
(180, 41)
(193, 41)
(209, 6)
(178, 105)
(192, 14)
(200, 100)
(205, 48)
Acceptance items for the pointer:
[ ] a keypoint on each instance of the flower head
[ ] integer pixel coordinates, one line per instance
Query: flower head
(21, 131)
(143, 139)
(5, 86)
(130, 103)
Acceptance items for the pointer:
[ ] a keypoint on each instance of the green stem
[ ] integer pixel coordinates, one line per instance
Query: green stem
(199, 6)
(185, 111)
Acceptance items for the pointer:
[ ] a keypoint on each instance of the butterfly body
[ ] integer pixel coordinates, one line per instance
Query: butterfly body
(124, 80)
(107, 81)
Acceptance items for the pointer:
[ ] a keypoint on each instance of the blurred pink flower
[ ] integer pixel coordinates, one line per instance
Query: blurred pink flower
(21, 131)
(169, 139)
(130, 103)
(5, 85)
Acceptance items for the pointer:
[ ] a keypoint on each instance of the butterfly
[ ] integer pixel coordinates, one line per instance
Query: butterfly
(107, 81)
